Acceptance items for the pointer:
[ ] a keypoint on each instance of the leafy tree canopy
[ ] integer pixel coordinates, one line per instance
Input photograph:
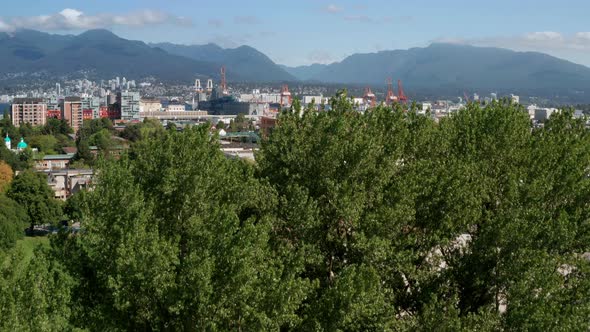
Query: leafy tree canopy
(177, 237)
(31, 190)
(13, 221)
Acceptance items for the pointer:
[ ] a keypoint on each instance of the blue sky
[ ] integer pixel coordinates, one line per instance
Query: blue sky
(308, 31)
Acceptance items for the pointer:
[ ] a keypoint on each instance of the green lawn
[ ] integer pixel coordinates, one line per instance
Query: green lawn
(29, 243)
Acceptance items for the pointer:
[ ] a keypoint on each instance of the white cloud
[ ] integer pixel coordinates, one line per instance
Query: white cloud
(73, 19)
(583, 35)
(333, 9)
(544, 36)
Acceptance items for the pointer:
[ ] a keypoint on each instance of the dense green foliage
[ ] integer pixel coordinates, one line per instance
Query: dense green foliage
(203, 224)
(382, 221)
(391, 194)
(96, 132)
(149, 128)
(31, 191)
(13, 221)
(35, 293)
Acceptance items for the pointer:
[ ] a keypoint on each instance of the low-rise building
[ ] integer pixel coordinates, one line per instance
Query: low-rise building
(54, 113)
(267, 124)
(174, 115)
(65, 183)
(175, 108)
(150, 105)
(53, 162)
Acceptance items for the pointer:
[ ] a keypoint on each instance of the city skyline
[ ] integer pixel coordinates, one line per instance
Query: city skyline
(314, 31)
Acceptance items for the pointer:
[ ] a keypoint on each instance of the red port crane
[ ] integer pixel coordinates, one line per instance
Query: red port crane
(286, 97)
(391, 97)
(400, 92)
(370, 97)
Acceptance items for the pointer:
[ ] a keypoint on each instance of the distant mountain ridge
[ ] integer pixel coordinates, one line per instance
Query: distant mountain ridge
(306, 73)
(452, 65)
(100, 54)
(245, 60)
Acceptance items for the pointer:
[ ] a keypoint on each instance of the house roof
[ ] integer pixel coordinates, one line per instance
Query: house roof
(58, 157)
(70, 149)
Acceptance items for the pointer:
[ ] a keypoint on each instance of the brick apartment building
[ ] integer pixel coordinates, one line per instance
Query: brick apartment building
(72, 112)
(29, 110)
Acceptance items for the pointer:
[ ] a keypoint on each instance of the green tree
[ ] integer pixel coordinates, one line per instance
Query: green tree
(7, 128)
(17, 161)
(95, 126)
(171, 126)
(26, 130)
(13, 221)
(177, 237)
(395, 211)
(73, 206)
(84, 154)
(46, 144)
(240, 123)
(30, 190)
(102, 140)
(35, 293)
(56, 127)
(334, 172)
(132, 132)
(140, 131)
(220, 125)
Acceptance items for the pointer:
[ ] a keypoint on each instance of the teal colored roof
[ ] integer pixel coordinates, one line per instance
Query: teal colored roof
(58, 157)
(248, 134)
(22, 144)
(7, 139)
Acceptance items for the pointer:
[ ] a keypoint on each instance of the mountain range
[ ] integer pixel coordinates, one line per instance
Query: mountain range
(244, 60)
(100, 54)
(452, 65)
